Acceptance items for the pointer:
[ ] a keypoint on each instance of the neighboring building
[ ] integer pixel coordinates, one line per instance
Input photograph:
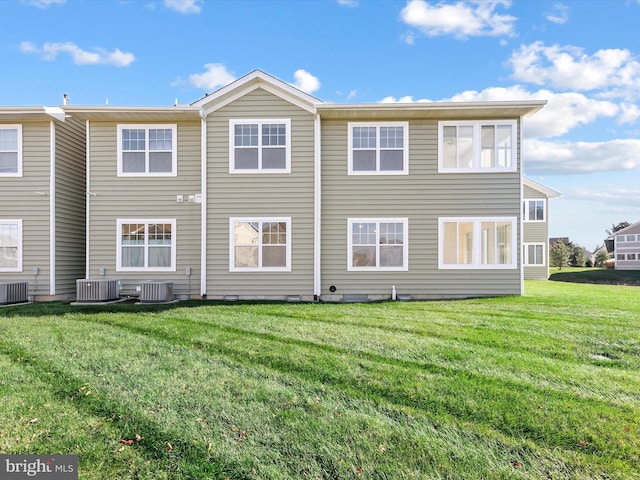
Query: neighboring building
(535, 216)
(42, 199)
(627, 248)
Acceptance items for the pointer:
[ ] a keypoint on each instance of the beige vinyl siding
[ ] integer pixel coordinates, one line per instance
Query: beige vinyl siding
(537, 232)
(422, 196)
(150, 197)
(260, 195)
(19, 200)
(70, 197)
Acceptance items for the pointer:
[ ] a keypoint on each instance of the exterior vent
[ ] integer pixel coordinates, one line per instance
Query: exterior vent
(13, 292)
(96, 289)
(156, 292)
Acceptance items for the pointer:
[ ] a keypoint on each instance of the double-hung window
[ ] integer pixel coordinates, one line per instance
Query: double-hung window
(147, 150)
(260, 146)
(146, 245)
(259, 244)
(474, 146)
(534, 210)
(379, 148)
(378, 244)
(10, 245)
(474, 242)
(533, 254)
(10, 150)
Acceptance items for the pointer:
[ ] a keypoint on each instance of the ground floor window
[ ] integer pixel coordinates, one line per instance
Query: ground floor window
(533, 254)
(377, 244)
(144, 244)
(260, 244)
(10, 245)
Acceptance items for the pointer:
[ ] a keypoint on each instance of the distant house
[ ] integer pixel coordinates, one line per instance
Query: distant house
(627, 248)
(535, 216)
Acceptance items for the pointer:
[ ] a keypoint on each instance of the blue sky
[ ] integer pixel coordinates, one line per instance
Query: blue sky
(581, 56)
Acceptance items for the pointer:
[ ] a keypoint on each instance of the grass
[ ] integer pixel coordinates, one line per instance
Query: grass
(596, 275)
(540, 386)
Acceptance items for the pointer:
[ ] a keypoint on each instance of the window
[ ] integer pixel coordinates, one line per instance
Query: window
(147, 150)
(533, 210)
(10, 245)
(146, 245)
(260, 244)
(533, 254)
(631, 256)
(379, 148)
(477, 243)
(260, 146)
(11, 150)
(631, 238)
(470, 146)
(620, 256)
(377, 244)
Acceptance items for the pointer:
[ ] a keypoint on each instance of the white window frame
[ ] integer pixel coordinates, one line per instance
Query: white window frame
(477, 146)
(259, 245)
(18, 267)
(146, 127)
(18, 151)
(260, 122)
(477, 244)
(378, 220)
(146, 222)
(525, 210)
(377, 126)
(525, 254)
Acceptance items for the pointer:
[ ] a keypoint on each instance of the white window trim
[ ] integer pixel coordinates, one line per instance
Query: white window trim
(146, 221)
(525, 254)
(174, 149)
(18, 172)
(261, 220)
(525, 208)
(477, 146)
(17, 222)
(405, 149)
(260, 121)
(378, 220)
(477, 244)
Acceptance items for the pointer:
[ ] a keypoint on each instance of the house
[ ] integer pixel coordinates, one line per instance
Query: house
(627, 248)
(42, 200)
(261, 191)
(535, 217)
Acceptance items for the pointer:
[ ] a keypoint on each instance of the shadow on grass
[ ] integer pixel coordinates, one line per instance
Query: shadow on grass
(598, 276)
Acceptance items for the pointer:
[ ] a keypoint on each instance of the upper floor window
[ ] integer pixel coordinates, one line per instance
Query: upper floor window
(627, 238)
(146, 245)
(477, 242)
(474, 146)
(379, 148)
(378, 244)
(147, 150)
(10, 245)
(534, 210)
(260, 146)
(11, 150)
(260, 244)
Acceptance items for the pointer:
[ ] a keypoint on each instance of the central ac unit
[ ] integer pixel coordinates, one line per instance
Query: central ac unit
(13, 292)
(96, 289)
(153, 291)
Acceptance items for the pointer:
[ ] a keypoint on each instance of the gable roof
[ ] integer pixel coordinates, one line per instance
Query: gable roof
(256, 79)
(22, 114)
(631, 229)
(546, 191)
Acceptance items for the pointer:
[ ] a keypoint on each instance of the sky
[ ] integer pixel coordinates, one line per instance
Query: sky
(582, 56)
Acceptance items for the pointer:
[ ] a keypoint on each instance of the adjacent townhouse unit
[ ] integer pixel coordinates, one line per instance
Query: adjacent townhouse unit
(42, 203)
(627, 248)
(535, 215)
(261, 191)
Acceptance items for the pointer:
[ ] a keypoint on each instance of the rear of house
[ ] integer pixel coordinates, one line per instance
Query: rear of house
(627, 248)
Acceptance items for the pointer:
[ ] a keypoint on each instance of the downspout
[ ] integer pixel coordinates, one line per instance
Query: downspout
(88, 197)
(52, 209)
(203, 205)
(521, 236)
(317, 206)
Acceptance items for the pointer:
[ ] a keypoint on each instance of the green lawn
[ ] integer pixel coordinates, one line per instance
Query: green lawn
(544, 386)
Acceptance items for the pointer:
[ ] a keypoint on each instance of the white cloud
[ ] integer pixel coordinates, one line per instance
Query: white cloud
(216, 76)
(305, 81)
(184, 6)
(558, 14)
(462, 19)
(616, 71)
(43, 3)
(348, 3)
(98, 56)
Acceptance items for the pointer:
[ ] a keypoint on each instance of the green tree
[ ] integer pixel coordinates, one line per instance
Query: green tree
(616, 228)
(578, 256)
(559, 254)
(601, 257)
